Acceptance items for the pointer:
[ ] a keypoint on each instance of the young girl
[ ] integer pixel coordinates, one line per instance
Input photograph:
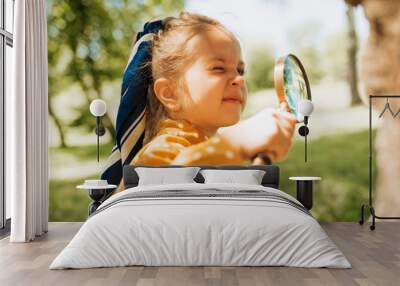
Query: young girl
(196, 86)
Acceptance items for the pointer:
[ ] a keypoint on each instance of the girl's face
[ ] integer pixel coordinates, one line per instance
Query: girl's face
(215, 93)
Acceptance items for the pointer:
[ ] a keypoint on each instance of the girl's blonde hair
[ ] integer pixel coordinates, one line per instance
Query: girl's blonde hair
(170, 58)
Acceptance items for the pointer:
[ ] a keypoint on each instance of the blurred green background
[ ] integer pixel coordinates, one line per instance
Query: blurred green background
(337, 197)
(89, 45)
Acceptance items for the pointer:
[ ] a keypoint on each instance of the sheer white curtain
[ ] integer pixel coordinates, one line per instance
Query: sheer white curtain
(27, 123)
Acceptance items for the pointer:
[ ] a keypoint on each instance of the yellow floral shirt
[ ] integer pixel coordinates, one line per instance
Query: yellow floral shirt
(180, 143)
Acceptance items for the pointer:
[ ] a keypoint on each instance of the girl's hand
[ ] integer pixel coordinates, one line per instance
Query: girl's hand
(270, 131)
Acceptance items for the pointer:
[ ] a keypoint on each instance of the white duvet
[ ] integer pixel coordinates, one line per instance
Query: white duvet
(183, 231)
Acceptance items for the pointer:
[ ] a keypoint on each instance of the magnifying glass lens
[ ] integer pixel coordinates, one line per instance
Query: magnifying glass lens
(295, 84)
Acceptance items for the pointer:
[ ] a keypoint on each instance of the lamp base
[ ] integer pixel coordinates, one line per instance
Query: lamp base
(100, 130)
(303, 131)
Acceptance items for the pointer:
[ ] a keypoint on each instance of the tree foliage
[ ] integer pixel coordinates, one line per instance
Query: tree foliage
(305, 42)
(261, 69)
(89, 43)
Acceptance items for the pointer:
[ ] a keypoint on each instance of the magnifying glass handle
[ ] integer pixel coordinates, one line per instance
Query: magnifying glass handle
(261, 159)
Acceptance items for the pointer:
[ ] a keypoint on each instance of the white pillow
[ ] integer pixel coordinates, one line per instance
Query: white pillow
(249, 177)
(162, 176)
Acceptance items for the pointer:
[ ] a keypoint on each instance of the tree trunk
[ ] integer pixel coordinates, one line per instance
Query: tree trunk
(106, 119)
(352, 76)
(58, 125)
(107, 122)
(381, 75)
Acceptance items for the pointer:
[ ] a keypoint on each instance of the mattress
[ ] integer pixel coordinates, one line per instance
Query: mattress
(197, 224)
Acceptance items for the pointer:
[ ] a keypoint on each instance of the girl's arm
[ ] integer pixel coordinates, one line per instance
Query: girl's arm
(179, 149)
(213, 151)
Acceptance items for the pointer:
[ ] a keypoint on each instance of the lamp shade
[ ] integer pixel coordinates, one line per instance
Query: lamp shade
(98, 107)
(305, 107)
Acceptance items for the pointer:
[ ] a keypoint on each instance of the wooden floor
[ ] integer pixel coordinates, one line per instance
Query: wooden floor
(374, 255)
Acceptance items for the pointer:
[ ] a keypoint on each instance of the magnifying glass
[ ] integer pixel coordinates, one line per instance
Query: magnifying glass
(294, 95)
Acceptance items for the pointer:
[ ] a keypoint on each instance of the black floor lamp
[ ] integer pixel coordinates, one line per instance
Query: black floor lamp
(394, 115)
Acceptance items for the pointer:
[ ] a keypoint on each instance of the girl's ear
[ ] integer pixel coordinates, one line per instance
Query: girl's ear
(164, 92)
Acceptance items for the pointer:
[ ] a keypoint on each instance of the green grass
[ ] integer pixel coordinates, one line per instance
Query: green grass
(66, 203)
(341, 161)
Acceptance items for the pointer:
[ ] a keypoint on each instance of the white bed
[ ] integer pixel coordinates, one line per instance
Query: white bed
(252, 225)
